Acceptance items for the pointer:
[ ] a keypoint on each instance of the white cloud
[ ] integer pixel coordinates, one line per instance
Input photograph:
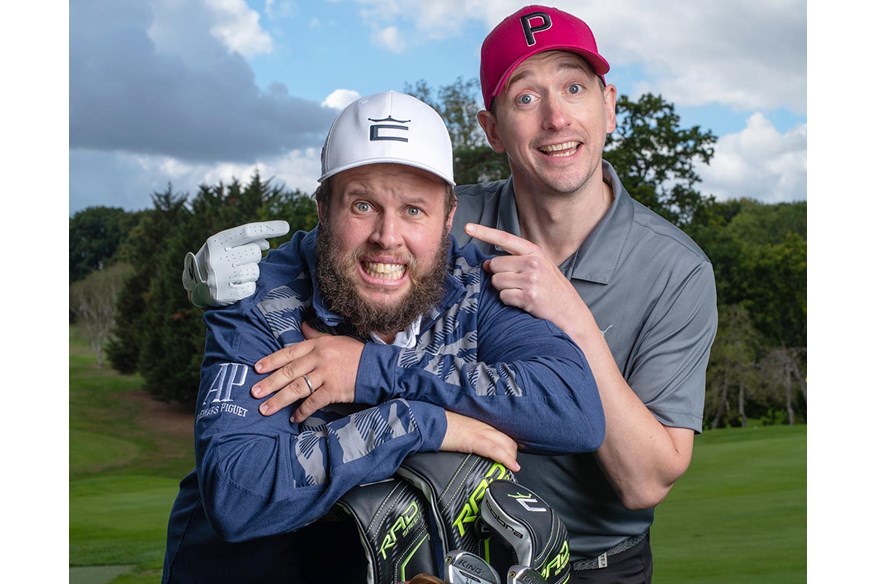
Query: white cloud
(125, 180)
(389, 38)
(759, 162)
(297, 169)
(746, 54)
(238, 27)
(340, 98)
(151, 80)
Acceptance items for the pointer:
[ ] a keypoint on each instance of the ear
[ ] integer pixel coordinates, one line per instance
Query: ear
(320, 211)
(488, 124)
(609, 101)
(449, 223)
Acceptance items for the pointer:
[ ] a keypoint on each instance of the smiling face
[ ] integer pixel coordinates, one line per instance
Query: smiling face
(551, 119)
(382, 245)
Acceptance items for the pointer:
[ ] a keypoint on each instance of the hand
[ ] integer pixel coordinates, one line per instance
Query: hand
(425, 579)
(468, 435)
(331, 364)
(527, 278)
(226, 268)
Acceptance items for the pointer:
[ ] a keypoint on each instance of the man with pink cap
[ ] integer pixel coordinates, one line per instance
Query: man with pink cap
(636, 294)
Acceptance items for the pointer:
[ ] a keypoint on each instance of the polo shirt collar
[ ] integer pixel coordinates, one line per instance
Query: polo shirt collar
(600, 255)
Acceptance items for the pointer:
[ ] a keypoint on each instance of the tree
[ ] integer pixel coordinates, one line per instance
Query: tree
(93, 301)
(458, 104)
(782, 369)
(159, 333)
(759, 255)
(655, 158)
(142, 250)
(96, 233)
(732, 367)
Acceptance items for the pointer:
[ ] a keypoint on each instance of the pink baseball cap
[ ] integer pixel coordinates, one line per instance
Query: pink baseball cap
(531, 30)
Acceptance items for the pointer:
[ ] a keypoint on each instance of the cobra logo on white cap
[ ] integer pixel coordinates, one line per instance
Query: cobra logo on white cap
(377, 127)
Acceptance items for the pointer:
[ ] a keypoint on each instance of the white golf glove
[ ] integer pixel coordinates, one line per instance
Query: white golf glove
(226, 267)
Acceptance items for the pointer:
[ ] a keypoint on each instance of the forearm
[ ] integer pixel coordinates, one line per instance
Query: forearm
(545, 385)
(263, 482)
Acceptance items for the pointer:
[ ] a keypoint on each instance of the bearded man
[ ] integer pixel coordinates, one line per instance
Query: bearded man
(416, 341)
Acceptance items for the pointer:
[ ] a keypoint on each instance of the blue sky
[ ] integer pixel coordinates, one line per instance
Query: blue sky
(184, 92)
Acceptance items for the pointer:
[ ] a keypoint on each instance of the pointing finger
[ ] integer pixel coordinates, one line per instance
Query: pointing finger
(265, 229)
(502, 239)
(243, 234)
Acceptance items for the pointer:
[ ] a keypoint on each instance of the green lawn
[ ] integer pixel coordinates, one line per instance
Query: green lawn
(738, 515)
(124, 474)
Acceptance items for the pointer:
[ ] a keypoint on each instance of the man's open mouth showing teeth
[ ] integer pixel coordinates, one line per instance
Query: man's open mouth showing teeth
(564, 149)
(384, 271)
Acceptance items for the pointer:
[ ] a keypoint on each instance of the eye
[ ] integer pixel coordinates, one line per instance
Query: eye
(361, 206)
(414, 211)
(575, 88)
(525, 99)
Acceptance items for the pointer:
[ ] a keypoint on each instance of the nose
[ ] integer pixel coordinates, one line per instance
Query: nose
(555, 115)
(386, 232)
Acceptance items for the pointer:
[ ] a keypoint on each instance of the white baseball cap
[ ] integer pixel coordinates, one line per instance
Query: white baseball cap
(388, 127)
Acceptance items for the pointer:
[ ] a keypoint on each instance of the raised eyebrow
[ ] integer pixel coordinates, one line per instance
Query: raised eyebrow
(515, 77)
(570, 64)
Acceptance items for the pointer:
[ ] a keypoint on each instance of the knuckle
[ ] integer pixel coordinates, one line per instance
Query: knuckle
(532, 262)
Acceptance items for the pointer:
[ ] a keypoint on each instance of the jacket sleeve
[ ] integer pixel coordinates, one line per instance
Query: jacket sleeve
(520, 374)
(263, 475)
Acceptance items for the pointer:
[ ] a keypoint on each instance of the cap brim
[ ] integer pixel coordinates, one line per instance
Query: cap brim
(597, 63)
(386, 160)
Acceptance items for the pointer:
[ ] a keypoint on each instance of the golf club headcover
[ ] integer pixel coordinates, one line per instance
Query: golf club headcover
(454, 484)
(530, 527)
(392, 519)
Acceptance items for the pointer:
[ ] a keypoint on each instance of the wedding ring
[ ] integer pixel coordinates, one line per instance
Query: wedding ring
(309, 385)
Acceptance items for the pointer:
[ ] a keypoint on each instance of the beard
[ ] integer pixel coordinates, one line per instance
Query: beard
(338, 286)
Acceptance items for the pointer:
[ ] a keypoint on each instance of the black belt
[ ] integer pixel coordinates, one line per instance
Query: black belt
(601, 561)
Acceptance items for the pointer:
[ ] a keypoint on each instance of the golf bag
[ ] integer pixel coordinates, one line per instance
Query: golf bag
(459, 517)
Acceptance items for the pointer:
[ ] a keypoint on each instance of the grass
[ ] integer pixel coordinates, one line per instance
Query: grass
(738, 514)
(124, 473)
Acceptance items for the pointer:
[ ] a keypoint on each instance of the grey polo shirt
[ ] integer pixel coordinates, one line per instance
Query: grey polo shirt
(651, 290)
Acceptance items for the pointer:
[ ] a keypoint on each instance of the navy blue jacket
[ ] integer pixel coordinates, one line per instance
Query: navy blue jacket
(259, 477)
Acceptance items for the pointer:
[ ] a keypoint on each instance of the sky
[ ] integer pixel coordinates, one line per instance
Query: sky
(178, 93)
